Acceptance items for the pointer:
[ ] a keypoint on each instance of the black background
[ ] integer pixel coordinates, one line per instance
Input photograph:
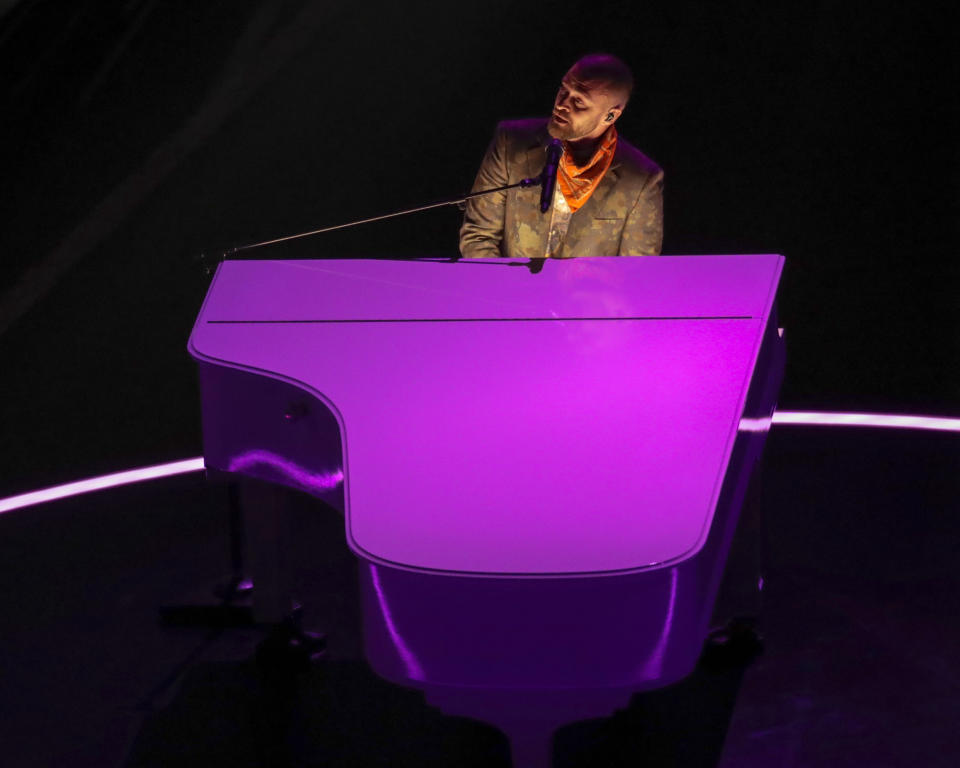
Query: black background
(139, 134)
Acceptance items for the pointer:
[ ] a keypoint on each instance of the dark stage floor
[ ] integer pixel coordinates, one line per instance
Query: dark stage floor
(861, 626)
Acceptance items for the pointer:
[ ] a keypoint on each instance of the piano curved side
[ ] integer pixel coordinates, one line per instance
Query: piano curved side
(258, 425)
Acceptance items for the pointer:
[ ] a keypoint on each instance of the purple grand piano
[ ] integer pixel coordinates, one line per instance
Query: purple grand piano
(541, 472)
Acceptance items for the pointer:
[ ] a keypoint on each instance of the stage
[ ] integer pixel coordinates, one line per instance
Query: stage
(860, 626)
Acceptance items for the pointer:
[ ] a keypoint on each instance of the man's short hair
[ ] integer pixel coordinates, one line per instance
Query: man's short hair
(607, 68)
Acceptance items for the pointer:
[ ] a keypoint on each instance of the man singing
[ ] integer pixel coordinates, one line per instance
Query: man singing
(608, 199)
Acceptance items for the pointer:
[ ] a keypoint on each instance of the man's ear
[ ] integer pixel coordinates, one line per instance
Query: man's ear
(613, 114)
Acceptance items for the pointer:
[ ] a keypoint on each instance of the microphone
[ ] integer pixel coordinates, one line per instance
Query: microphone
(548, 178)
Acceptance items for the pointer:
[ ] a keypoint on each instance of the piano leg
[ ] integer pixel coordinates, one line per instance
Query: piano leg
(287, 647)
(736, 639)
(259, 590)
(266, 533)
(232, 607)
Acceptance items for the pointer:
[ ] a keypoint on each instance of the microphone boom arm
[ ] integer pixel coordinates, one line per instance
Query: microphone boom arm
(531, 182)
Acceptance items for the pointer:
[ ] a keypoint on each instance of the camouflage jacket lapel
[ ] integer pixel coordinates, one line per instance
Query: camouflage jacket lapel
(531, 225)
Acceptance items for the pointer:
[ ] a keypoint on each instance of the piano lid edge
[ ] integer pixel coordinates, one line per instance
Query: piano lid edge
(672, 562)
(205, 359)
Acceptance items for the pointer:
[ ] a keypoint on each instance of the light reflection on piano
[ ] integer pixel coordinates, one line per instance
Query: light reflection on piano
(313, 482)
(414, 669)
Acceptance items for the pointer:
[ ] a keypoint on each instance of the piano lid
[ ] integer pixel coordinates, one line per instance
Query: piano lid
(365, 289)
(579, 420)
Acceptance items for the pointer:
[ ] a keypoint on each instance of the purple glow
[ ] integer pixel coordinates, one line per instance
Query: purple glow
(310, 481)
(101, 483)
(654, 665)
(414, 670)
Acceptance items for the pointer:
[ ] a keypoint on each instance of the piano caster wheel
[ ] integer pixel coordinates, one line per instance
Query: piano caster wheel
(735, 645)
(288, 649)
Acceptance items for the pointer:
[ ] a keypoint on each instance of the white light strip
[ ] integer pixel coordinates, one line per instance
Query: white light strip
(100, 483)
(822, 419)
(795, 418)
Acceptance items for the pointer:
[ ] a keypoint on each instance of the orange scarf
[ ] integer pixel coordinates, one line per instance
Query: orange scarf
(577, 184)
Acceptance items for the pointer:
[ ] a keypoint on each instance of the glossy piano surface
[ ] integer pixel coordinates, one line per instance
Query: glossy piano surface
(492, 420)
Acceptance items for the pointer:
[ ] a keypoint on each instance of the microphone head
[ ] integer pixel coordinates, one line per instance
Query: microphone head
(548, 179)
(554, 151)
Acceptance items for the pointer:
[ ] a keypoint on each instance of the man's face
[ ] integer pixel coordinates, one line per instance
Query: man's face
(581, 108)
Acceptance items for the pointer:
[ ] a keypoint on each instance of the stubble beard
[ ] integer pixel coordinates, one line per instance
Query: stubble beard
(567, 132)
(563, 132)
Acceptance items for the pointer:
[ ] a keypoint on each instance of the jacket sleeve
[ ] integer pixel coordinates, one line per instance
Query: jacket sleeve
(643, 228)
(483, 218)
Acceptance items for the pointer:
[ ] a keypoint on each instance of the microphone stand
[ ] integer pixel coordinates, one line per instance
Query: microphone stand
(524, 183)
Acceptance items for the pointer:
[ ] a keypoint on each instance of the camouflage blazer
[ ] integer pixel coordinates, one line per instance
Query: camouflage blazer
(623, 217)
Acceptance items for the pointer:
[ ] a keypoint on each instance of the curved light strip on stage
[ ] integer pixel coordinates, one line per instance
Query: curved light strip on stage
(831, 419)
(792, 418)
(101, 483)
